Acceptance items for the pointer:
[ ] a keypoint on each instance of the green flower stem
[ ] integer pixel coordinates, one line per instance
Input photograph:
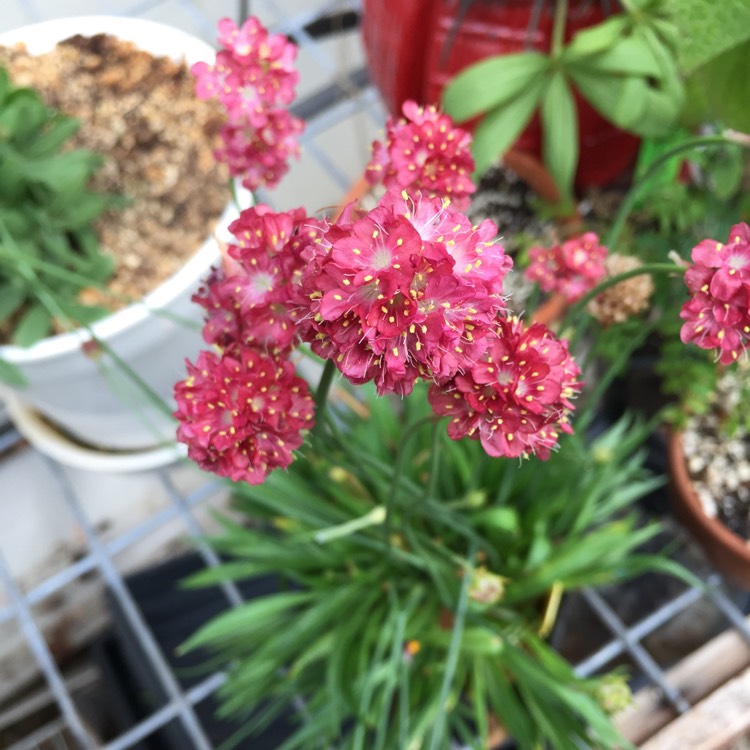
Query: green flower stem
(618, 224)
(558, 30)
(374, 518)
(647, 268)
(321, 394)
(141, 384)
(551, 609)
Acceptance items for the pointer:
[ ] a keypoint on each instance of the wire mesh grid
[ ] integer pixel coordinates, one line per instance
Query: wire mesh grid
(65, 722)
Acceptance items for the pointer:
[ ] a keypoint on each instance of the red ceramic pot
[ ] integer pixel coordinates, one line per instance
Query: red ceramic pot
(414, 47)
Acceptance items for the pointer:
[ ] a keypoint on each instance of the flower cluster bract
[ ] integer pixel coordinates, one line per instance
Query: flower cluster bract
(718, 314)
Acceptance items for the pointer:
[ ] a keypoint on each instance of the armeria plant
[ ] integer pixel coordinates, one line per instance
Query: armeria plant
(419, 570)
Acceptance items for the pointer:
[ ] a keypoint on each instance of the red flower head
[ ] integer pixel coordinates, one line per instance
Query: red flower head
(718, 314)
(260, 155)
(410, 290)
(426, 152)
(252, 74)
(256, 302)
(254, 79)
(516, 400)
(242, 414)
(572, 269)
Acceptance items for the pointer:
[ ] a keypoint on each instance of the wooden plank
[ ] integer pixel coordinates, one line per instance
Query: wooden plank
(713, 724)
(696, 676)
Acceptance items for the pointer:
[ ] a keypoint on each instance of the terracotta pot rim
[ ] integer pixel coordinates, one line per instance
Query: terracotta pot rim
(689, 503)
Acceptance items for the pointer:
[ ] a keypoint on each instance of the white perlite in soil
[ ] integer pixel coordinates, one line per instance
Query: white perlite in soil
(719, 464)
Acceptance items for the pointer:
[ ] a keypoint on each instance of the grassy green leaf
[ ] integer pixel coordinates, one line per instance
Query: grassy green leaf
(251, 615)
(500, 127)
(11, 374)
(560, 133)
(33, 326)
(12, 296)
(491, 83)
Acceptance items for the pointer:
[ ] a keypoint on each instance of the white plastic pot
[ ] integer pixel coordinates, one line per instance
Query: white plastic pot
(94, 400)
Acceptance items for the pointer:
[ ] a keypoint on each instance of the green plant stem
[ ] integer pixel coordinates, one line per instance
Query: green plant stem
(149, 392)
(558, 30)
(321, 394)
(618, 224)
(647, 268)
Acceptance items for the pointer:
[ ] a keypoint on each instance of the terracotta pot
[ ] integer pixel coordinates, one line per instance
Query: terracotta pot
(726, 550)
(414, 47)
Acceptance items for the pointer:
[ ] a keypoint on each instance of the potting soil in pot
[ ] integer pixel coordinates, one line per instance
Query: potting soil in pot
(140, 112)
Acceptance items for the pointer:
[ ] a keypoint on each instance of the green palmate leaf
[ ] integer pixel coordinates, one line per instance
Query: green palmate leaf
(62, 173)
(718, 92)
(560, 133)
(34, 325)
(11, 374)
(631, 55)
(500, 127)
(709, 30)
(491, 83)
(596, 39)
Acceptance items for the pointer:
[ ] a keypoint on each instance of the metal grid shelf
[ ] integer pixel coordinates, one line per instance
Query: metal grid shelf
(343, 99)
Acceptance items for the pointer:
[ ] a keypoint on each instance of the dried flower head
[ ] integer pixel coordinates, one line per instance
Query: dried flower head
(631, 296)
(486, 587)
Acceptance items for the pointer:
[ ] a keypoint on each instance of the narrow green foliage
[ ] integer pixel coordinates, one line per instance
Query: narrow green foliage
(381, 635)
(48, 250)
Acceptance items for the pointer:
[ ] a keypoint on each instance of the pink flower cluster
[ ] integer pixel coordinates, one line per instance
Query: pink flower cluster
(254, 79)
(571, 269)
(411, 290)
(242, 412)
(718, 314)
(517, 398)
(424, 151)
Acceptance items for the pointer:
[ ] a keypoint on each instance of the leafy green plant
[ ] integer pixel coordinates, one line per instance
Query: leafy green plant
(418, 580)
(626, 67)
(48, 249)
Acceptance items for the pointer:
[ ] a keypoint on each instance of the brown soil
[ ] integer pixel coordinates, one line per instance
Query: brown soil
(141, 113)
